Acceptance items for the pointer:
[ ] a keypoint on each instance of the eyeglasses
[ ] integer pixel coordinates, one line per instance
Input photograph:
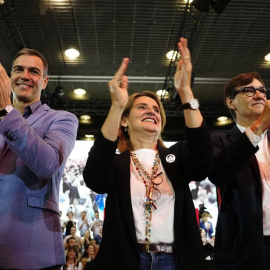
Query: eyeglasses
(250, 91)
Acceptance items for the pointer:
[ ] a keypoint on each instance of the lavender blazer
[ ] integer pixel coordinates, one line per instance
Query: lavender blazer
(31, 165)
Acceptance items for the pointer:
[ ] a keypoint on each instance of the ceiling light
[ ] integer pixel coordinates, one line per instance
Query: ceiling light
(85, 117)
(172, 55)
(267, 57)
(88, 136)
(221, 121)
(190, 1)
(222, 118)
(72, 53)
(79, 92)
(164, 94)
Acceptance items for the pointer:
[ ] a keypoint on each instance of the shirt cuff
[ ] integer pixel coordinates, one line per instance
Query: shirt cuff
(254, 139)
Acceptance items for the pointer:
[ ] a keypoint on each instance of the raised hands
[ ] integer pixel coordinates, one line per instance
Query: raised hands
(119, 95)
(182, 81)
(5, 88)
(182, 77)
(263, 122)
(119, 85)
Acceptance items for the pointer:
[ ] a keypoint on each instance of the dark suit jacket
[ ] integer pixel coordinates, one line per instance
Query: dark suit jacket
(107, 172)
(239, 232)
(31, 165)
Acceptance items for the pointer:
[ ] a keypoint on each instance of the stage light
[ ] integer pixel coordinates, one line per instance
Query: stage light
(204, 5)
(59, 91)
(219, 5)
(201, 5)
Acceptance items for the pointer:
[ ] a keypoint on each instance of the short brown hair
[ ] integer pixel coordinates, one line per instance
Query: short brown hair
(30, 52)
(124, 141)
(237, 81)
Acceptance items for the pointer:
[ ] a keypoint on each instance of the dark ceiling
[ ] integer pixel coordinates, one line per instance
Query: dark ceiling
(223, 45)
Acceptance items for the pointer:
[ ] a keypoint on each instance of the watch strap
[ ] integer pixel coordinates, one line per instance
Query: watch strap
(185, 106)
(3, 112)
(7, 110)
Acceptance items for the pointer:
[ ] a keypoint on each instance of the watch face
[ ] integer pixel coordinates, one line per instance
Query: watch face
(194, 103)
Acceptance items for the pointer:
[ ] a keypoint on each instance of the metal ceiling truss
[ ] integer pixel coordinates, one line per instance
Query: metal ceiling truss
(192, 22)
(11, 28)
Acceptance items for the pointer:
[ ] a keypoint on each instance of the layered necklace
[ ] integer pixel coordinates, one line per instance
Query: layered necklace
(151, 181)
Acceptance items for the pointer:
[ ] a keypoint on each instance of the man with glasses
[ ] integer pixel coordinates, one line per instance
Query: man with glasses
(242, 173)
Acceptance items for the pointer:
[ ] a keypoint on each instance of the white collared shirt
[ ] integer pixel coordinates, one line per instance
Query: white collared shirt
(263, 159)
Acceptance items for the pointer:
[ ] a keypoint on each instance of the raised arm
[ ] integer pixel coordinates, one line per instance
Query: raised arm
(119, 97)
(5, 88)
(182, 81)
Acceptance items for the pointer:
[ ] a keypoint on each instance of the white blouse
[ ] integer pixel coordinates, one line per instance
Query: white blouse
(163, 216)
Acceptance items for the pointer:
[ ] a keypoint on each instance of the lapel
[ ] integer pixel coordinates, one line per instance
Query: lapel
(234, 134)
(38, 114)
(42, 110)
(123, 178)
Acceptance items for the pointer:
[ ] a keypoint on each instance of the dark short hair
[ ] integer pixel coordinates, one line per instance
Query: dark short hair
(237, 81)
(33, 52)
(70, 238)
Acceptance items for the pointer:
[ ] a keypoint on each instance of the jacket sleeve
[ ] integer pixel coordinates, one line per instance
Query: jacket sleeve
(197, 158)
(98, 172)
(46, 145)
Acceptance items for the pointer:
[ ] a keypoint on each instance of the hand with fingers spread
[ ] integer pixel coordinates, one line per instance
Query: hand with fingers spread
(182, 77)
(5, 88)
(118, 85)
(182, 83)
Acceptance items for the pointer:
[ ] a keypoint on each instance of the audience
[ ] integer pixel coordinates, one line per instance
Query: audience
(72, 260)
(95, 224)
(207, 225)
(70, 223)
(83, 223)
(98, 237)
(89, 254)
(71, 242)
(73, 234)
(85, 240)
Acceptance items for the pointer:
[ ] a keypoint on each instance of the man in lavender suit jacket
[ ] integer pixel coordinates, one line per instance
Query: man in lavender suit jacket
(35, 142)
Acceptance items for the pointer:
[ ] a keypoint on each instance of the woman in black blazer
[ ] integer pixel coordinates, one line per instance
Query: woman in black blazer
(149, 217)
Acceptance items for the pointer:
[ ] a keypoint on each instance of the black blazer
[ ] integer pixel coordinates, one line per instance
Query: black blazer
(239, 231)
(107, 172)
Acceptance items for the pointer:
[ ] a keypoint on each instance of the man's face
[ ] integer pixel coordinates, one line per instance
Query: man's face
(248, 107)
(72, 243)
(27, 78)
(97, 215)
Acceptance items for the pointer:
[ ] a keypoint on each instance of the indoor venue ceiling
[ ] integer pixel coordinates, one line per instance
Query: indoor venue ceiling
(223, 43)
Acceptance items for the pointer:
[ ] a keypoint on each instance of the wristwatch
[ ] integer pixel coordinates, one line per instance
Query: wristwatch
(7, 110)
(193, 104)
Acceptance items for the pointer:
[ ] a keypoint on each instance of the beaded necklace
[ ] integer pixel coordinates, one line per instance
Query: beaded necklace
(149, 184)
